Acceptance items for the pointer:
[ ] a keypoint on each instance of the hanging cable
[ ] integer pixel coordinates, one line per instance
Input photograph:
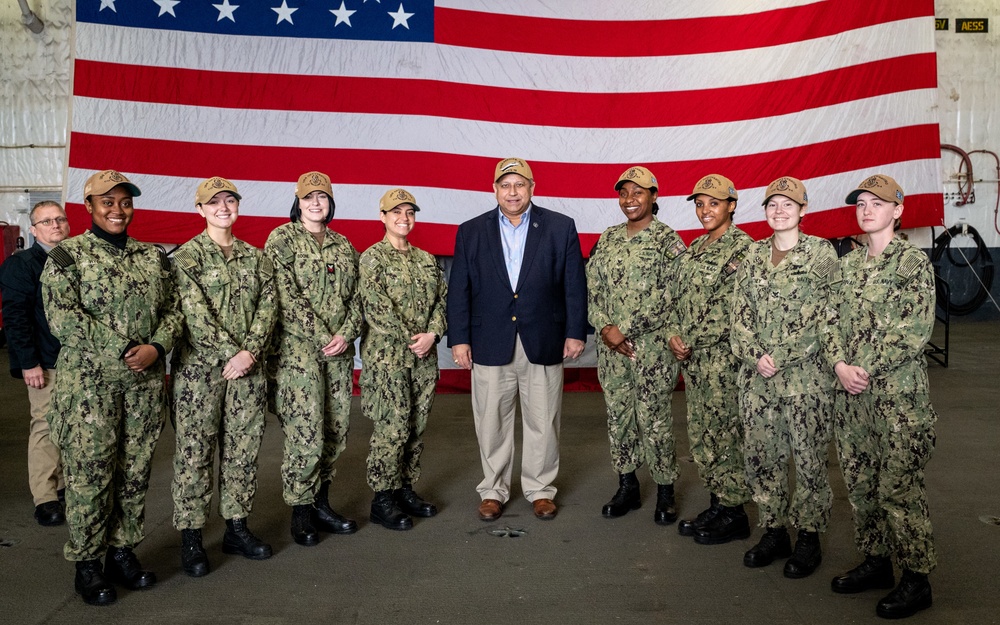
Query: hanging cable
(942, 244)
(996, 209)
(964, 186)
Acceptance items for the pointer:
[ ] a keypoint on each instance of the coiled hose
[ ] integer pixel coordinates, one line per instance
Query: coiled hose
(942, 245)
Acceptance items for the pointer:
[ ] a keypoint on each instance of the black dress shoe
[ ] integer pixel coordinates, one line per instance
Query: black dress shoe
(303, 527)
(912, 595)
(326, 519)
(874, 572)
(730, 523)
(122, 567)
(91, 584)
(687, 527)
(806, 556)
(626, 498)
(413, 504)
(774, 544)
(666, 508)
(386, 513)
(49, 514)
(194, 560)
(239, 539)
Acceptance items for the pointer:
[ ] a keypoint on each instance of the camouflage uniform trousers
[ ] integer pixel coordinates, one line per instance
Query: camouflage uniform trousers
(210, 412)
(106, 434)
(885, 441)
(715, 430)
(313, 402)
(638, 395)
(777, 429)
(398, 402)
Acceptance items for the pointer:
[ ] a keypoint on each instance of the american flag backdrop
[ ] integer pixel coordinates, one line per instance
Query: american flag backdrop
(430, 95)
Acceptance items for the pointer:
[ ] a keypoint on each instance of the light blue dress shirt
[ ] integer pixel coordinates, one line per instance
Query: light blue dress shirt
(513, 239)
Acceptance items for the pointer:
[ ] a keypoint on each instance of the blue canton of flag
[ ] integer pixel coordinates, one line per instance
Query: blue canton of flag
(376, 20)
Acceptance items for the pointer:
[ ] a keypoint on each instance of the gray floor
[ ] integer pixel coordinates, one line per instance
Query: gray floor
(579, 568)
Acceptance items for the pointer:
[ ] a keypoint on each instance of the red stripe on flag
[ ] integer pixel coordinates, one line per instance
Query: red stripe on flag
(471, 173)
(342, 94)
(626, 38)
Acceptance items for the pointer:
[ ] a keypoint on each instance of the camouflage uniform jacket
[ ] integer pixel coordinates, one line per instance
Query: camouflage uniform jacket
(705, 287)
(630, 281)
(317, 288)
(886, 315)
(783, 311)
(99, 299)
(401, 295)
(229, 305)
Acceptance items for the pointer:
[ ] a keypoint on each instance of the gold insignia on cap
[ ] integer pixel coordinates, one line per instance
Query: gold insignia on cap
(784, 184)
(709, 183)
(217, 183)
(114, 176)
(315, 179)
(402, 195)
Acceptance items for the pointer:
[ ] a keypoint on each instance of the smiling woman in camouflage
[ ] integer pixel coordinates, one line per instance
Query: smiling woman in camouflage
(699, 339)
(780, 325)
(630, 280)
(319, 317)
(227, 295)
(885, 422)
(111, 302)
(403, 295)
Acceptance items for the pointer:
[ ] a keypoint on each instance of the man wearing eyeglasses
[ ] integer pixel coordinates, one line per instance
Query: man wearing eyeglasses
(33, 351)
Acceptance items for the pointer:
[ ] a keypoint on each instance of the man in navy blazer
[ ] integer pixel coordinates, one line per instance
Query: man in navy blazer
(517, 307)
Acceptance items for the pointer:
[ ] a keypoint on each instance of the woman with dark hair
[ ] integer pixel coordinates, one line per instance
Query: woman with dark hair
(630, 282)
(403, 294)
(111, 302)
(319, 317)
(699, 339)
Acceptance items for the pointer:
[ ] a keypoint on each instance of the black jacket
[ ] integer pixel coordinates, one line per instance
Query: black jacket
(28, 338)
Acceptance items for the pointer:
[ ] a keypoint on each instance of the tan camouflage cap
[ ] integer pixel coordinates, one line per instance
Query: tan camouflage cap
(512, 166)
(879, 185)
(792, 188)
(395, 197)
(103, 181)
(714, 185)
(639, 175)
(207, 190)
(313, 181)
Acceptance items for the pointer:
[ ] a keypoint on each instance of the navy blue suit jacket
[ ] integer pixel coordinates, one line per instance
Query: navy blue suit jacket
(550, 304)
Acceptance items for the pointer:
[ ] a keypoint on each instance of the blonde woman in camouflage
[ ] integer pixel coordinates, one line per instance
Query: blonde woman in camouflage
(885, 422)
(403, 296)
(111, 302)
(699, 340)
(780, 324)
(227, 296)
(319, 317)
(630, 280)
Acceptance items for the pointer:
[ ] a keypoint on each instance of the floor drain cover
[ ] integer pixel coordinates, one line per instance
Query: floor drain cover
(508, 532)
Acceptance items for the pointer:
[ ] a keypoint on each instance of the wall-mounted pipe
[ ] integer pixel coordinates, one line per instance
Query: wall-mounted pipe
(29, 19)
(967, 192)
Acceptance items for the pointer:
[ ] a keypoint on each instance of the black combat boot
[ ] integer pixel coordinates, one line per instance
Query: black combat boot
(687, 527)
(194, 560)
(303, 527)
(806, 556)
(730, 523)
(912, 595)
(326, 519)
(774, 544)
(666, 510)
(874, 572)
(387, 514)
(91, 584)
(239, 539)
(413, 504)
(122, 567)
(626, 497)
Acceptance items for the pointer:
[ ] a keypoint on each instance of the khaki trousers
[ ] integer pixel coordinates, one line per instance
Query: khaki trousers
(494, 394)
(45, 475)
